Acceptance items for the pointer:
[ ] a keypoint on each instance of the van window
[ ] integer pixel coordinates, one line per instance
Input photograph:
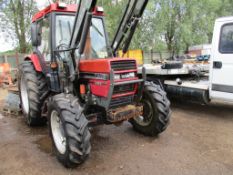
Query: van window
(226, 39)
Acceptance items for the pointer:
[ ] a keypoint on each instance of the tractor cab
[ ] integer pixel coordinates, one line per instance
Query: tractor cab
(52, 30)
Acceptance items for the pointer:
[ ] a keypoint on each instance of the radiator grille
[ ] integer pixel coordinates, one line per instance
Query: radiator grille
(123, 89)
(123, 65)
(121, 101)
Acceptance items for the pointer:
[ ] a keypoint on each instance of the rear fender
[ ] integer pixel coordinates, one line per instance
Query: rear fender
(35, 60)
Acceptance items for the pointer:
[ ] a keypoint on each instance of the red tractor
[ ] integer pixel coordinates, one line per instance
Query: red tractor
(73, 79)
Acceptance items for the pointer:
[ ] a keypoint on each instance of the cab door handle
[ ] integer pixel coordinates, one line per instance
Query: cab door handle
(217, 65)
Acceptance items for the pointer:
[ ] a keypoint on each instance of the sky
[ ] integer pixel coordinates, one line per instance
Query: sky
(41, 4)
(5, 42)
(5, 46)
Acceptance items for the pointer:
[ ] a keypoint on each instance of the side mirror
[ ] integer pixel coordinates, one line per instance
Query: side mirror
(36, 31)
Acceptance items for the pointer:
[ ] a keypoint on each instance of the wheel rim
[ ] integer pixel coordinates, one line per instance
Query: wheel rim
(24, 95)
(146, 118)
(58, 132)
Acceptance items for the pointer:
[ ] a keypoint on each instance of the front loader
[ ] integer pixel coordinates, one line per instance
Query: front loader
(74, 80)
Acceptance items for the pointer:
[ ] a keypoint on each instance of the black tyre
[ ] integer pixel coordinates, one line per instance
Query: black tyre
(172, 65)
(69, 130)
(156, 111)
(33, 91)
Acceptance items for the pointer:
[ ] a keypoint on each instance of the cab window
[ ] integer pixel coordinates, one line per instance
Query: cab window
(64, 26)
(44, 48)
(226, 39)
(96, 44)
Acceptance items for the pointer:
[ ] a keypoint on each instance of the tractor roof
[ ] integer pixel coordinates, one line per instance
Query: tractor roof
(56, 8)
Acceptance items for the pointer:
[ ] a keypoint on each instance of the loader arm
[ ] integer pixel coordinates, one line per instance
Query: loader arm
(82, 24)
(127, 27)
(77, 42)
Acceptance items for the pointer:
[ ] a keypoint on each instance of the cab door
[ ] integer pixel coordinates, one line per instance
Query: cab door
(221, 75)
(44, 49)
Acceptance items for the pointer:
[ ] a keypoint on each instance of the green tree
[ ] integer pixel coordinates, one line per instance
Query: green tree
(17, 15)
(171, 25)
(182, 23)
(113, 13)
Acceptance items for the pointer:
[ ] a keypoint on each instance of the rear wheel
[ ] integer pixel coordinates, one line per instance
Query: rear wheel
(33, 90)
(156, 111)
(69, 130)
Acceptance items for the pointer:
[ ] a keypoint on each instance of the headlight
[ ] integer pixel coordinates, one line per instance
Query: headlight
(117, 76)
(124, 76)
(128, 75)
(102, 76)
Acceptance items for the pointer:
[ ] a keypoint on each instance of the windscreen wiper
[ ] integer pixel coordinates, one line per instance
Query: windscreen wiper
(133, 13)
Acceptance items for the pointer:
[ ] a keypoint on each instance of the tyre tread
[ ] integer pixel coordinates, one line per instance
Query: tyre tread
(35, 92)
(76, 127)
(162, 106)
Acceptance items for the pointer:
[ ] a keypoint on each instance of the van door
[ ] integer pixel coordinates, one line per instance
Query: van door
(221, 74)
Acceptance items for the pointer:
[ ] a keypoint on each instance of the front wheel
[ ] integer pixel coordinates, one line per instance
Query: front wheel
(156, 111)
(69, 130)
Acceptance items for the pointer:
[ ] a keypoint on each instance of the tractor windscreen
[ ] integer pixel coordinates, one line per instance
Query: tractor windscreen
(96, 45)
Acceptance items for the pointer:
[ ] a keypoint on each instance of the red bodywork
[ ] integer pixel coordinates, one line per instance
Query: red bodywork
(101, 87)
(55, 8)
(101, 65)
(35, 60)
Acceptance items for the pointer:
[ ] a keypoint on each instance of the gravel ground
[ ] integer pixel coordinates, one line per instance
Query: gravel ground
(199, 141)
